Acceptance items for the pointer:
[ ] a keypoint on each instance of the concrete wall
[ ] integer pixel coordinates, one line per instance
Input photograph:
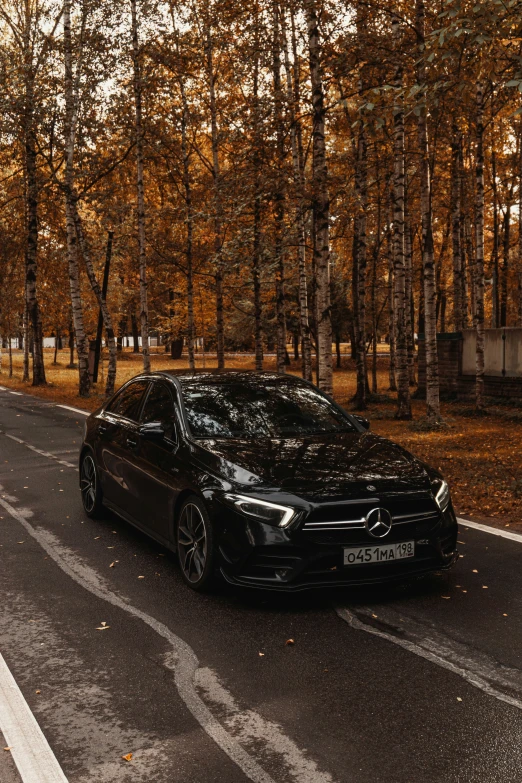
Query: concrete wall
(502, 352)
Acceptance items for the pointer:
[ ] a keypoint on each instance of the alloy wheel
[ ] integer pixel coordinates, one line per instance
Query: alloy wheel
(88, 483)
(192, 543)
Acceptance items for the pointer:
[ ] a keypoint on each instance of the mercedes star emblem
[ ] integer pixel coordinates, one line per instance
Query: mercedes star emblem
(378, 522)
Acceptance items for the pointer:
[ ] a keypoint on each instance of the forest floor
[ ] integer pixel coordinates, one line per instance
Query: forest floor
(480, 456)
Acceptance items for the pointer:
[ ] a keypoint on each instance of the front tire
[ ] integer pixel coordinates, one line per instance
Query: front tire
(92, 495)
(195, 545)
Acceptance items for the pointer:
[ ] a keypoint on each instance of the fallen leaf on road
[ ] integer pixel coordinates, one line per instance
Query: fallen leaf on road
(8, 748)
(464, 591)
(375, 616)
(458, 698)
(475, 571)
(127, 757)
(111, 565)
(261, 655)
(38, 691)
(103, 626)
(446, 596)
(504, 615)
(20, 542)
(141, 577)
(290, 642)
(96, 537)
(484, 587)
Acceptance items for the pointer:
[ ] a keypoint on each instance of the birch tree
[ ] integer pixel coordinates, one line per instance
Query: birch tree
(320, 203)
(140, 187)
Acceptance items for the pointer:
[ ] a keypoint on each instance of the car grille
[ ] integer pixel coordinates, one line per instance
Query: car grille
(343, 523)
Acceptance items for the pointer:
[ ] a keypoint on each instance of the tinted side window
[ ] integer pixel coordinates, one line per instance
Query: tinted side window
(128, 402)
(160, 407)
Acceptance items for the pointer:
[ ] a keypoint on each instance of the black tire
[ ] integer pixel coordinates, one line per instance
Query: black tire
(195, 544)
(92, 495)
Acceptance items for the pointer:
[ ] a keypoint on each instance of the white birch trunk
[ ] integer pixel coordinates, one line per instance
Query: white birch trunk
(321, 205)
(401, 347)
(140, 189)
(70, 228)
(428, 260)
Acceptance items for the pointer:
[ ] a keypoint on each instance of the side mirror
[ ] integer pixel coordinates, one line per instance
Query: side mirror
(362, 421)
(154, 430)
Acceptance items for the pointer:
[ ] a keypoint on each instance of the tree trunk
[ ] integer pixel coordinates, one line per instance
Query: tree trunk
(71, 114)
(519, 320)
(479, 242)
(408, 263)
(190, 227)
(505, 266)
(220, 327)
(359, 241)
(428, 260)
(135, 334)
(140, 189)
(392, 386)
(495, 305)
(31, 192)
(321, 204)
(25, 373)
(102, 303)
(293, 97)
(279, 195)
(400, 304)
(456, 229)
(256, 250)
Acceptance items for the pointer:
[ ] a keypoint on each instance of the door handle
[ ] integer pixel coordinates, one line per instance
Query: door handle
(102, 428)
(131, 442)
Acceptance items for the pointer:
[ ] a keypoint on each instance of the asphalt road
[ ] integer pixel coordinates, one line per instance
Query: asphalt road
(416, 684)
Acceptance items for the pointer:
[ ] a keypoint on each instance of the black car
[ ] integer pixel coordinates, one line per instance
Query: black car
(265, 480)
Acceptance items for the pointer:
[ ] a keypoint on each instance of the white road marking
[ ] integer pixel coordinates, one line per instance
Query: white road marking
(434, 651)
(253, 730)
(495, 531)
(185, 663)
(75, 410)
(32, 754)
(19, 394)
(40, 451)
(2, 388)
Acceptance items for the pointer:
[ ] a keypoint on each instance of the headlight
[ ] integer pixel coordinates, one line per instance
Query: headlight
(442, 496)
(263, 510)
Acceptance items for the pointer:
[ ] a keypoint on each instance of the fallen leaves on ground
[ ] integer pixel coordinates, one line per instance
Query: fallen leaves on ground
(290, 642)
(127, 757)
(103, 627)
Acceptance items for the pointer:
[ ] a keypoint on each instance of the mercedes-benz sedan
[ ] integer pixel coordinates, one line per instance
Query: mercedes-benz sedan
(263, 480)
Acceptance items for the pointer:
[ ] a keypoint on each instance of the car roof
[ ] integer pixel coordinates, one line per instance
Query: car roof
(202, 375)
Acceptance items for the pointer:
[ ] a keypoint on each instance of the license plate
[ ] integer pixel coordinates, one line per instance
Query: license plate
(379, 554)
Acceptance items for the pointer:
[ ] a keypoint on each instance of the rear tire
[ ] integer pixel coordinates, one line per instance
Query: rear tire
(196, 546)
(92, 495)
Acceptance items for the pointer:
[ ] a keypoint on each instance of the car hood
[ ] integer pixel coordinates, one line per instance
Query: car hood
(315, 466)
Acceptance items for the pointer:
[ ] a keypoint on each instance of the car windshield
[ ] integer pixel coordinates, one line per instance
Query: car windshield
(264, 409)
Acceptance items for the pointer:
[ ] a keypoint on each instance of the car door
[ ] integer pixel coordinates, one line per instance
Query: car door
(117, 445)
(160, 475)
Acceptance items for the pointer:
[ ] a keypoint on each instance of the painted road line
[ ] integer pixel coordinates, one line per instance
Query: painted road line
(437, 651)
(75, 410)
(39, 451)
(185, 662)
(32, 754)
(495, 531)
(19, 394)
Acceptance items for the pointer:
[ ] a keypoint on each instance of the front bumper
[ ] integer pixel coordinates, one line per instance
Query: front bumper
(254, 554)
